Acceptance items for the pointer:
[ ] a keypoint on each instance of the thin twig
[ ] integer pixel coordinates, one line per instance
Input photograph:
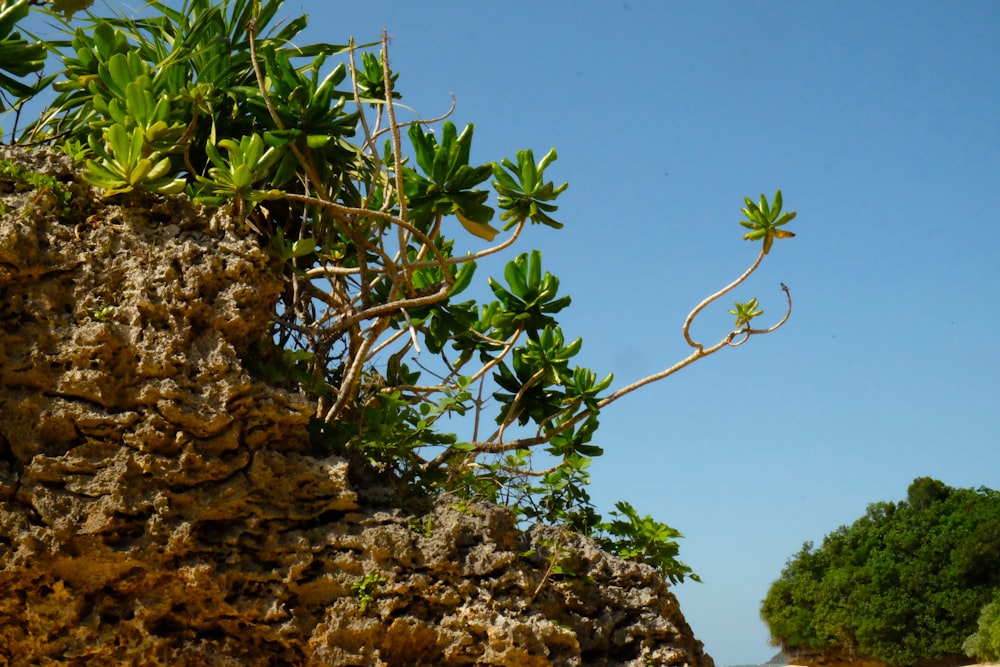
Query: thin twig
(349, 385)
(495, 447)
(397, 150)
(424, 121)
(369, 139)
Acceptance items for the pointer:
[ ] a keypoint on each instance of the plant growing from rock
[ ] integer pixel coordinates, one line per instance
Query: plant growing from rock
(365, 587)
(376, 240)
(101, 312)
(17, 177)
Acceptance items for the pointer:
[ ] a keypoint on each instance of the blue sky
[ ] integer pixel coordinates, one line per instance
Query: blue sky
(881, 125)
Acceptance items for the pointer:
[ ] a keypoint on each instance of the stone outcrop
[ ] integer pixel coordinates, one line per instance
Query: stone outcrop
(160, 505)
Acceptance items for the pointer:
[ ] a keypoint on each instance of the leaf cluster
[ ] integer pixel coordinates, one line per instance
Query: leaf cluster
(365, 588)
(19, 57)
(764, 220)
(646, 540)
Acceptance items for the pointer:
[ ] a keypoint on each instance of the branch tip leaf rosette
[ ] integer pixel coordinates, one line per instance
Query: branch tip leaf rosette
(764, 220)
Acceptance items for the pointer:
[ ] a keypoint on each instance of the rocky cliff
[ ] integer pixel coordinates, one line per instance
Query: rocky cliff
(160, 505)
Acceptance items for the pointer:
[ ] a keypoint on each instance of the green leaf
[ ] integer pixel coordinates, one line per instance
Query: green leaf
(534, 277)
(479, 229)
(463, 278)
(764, 210)
(318, 140)
(279, 138)
(513, 272)
(423, 147)
(785, 217)
(303, 247)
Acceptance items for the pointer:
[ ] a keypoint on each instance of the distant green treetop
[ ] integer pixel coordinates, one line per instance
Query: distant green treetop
(904, 583)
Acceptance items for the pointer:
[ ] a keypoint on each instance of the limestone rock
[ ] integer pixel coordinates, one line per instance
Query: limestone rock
(160, 505)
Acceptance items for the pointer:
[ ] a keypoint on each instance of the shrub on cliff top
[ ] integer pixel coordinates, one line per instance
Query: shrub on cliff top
(370, 218)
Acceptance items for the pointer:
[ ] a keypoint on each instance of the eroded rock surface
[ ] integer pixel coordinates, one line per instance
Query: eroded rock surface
(159, 505)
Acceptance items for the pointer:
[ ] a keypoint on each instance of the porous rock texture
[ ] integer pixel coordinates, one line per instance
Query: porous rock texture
(159, 505)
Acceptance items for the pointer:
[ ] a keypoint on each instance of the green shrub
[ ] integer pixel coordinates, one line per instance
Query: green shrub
(903, 583)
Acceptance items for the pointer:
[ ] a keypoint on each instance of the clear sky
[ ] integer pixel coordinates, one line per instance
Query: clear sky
(880, 122)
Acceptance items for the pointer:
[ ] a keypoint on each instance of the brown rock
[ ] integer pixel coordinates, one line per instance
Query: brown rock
(159, 505)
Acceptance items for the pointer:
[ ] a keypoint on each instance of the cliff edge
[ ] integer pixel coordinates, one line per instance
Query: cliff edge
(160, 505)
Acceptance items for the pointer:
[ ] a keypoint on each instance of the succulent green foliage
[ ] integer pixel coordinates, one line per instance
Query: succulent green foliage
(533, 383)
(18, 57)
(125, 94)
(199, 81)
(529, 300)
(311, 115)
(446, 182)
(764, 220)
(125, 163)
(523, 192)
(745, 312)
(371, 78)
(904, 583)
(234, 177)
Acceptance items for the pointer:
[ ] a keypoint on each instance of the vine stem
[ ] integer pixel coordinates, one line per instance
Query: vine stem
(496, 447)
(701, 306)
